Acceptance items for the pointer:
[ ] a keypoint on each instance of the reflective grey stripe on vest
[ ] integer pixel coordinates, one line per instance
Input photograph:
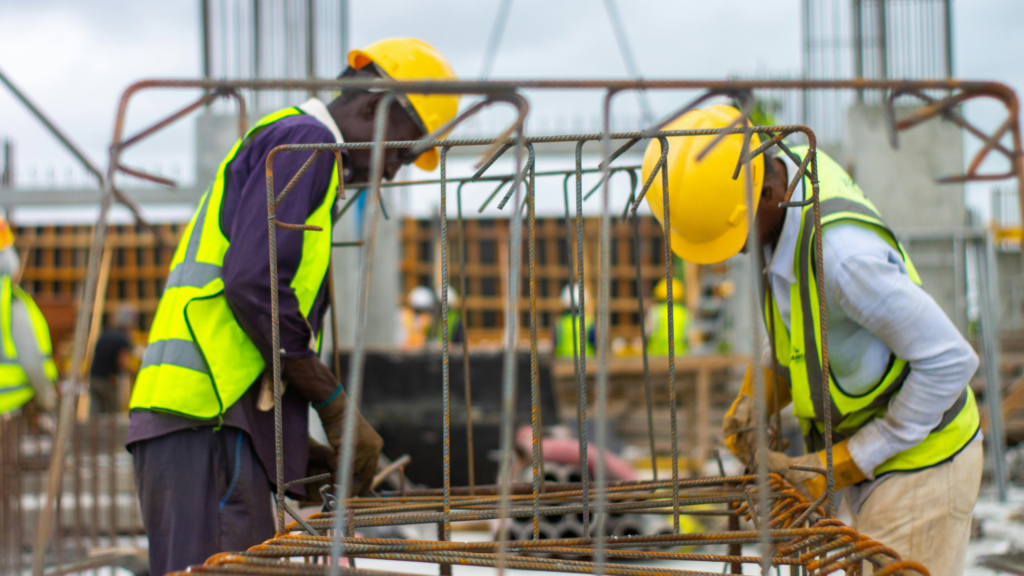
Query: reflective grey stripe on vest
(175, 352)
(949, 415)
(15, 388)
(193, 275)
(189, 273)
(805, 252)
(815, 441)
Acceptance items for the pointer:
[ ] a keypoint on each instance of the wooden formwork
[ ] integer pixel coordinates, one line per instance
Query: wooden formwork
(487, 270)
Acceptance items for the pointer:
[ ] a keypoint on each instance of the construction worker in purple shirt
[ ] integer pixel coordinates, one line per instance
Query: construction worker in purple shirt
(200, 433)
(907, 452)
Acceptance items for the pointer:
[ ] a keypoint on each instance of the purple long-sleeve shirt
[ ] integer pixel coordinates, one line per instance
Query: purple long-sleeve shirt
(246, 273)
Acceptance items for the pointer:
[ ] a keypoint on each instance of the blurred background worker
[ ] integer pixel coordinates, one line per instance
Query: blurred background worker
(27, 370)
(906, 423)
(657, 320)
(421, 318)
(202, 423)
(113, 361)
(455, 330)
(566, 334)
(418, 317)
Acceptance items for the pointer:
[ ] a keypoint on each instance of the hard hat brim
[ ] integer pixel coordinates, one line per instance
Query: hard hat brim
(429, 160)
(718, 250)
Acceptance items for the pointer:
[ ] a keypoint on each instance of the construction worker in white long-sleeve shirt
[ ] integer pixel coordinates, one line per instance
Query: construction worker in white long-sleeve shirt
(27, 370)
(906, 428)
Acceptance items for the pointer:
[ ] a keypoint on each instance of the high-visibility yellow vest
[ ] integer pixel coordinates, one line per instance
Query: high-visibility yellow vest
(199, 361)
(657, 340)
(454, 317)
(799, 349)
(567, 326)
(15, 389)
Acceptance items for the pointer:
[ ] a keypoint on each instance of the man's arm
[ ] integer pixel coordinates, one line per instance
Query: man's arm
(874, 290)
(31, 357)
(247, 261)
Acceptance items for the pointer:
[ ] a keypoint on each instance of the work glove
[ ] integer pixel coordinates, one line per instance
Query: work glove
(316, 383)
(739, 423)
(322, 460)
(812, 484)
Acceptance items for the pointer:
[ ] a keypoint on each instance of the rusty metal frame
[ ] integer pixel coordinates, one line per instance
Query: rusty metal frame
(761, 502)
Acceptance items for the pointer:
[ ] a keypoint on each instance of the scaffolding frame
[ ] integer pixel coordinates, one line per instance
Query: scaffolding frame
(824, 545)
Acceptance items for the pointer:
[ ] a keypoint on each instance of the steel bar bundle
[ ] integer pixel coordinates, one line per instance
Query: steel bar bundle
(789, 529)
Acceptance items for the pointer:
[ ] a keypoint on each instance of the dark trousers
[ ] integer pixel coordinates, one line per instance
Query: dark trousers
(103, 390)
(201, 492)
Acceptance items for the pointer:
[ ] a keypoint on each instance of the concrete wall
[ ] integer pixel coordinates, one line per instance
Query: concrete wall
(1010, 280)
(382, 318)
(215, 135)
(901, 184)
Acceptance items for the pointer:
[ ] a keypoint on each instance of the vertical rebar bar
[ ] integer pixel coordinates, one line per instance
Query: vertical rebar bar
(76, 449)
(643, 343)
(984, 257)
(511, 358)
(275, 353)
(673, 416)
(465, 345)
(445, 526)
(94, 452)
(948, 34)
(581, 338)
(446, 382)
(535, 415)
(603, 313)
(204, 19)
(6, 497)
(760, 407)
(355, 364)
(112, 446)
(75, 379)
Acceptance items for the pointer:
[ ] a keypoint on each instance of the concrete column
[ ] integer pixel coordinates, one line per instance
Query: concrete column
(901, 184)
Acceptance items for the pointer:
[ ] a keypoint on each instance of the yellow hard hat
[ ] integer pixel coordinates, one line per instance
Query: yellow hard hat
(6, 235)
(412, 59)
(708, 207)
(661, 291)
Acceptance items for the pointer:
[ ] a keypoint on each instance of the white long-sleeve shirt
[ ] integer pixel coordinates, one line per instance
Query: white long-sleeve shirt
(874, 309)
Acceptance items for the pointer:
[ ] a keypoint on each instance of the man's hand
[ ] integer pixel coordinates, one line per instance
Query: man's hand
(368, 442)
(739, 423)
(322, 460)
(812, 484)
(316, 383)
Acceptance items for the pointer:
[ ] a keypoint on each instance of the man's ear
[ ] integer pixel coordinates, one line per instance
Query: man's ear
(368, 110)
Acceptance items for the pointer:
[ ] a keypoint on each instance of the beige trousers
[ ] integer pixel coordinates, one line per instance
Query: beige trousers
(926, 515)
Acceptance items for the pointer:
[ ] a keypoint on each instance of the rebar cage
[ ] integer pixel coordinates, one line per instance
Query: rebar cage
(791, 530)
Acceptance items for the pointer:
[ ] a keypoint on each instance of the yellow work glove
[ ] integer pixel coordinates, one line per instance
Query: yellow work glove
(738, 425)
(812, 484)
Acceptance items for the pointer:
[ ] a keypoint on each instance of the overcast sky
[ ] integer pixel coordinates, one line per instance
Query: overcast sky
(75, 57)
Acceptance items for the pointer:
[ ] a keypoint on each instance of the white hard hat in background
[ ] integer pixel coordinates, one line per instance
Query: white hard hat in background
(422, 298)
(453, 296)
(570, 292)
